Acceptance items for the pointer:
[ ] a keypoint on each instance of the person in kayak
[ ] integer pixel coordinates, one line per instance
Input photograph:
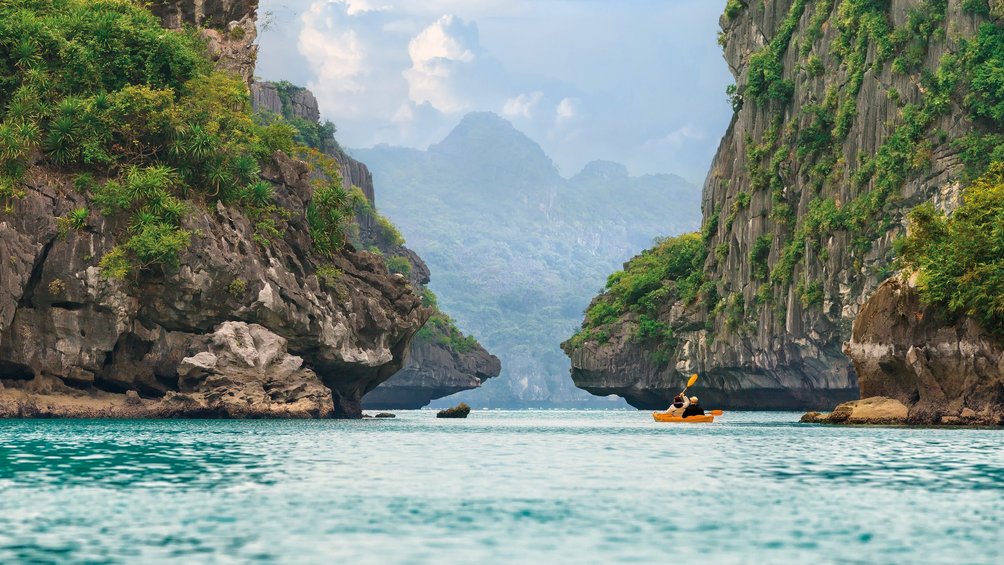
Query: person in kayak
(694, 409)
(679, 406)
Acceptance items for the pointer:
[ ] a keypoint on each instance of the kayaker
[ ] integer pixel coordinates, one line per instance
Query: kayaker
(694, 409)
(680, 404)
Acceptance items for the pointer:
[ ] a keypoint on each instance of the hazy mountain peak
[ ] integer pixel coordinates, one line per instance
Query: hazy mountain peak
(485, 138)
(604, 170)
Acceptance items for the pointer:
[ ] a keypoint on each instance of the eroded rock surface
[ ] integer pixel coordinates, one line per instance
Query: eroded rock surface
(944, 370)
(59, 318)
(776, 342)
(433, 371)
(229, 28)
(459, 411)
(874, 410)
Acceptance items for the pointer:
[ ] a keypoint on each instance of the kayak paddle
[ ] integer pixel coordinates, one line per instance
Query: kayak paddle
(690, 383)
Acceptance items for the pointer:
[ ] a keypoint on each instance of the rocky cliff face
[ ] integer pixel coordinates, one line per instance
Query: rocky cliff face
(839, 130)
(433, 369)
(303, 104)
(62, 319)
(944, 370)
(228, 26)
(242, 328)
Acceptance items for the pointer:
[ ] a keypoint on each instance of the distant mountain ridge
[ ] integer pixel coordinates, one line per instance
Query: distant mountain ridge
(517, 249)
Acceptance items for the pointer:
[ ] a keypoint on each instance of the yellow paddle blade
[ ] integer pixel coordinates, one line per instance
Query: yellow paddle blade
(715, 412)
(693, 379)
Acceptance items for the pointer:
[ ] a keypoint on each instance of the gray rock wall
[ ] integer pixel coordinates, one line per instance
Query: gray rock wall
(783, 352)
(59, 318)
(944, 370)
(228, 26)
(432, 370)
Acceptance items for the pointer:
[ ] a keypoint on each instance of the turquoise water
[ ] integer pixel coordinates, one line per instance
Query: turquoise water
(520, 486)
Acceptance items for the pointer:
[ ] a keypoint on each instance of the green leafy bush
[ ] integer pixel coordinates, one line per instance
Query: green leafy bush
(765, 80)
(441, 329)
(976, 7)
(389, 231)
(733, 8)
(960, 259)
(398, 265)
(673, 269)
(758, 257)
(136, 110)
(237, 288)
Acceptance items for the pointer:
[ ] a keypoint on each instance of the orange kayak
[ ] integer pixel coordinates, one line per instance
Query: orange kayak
(705, 419)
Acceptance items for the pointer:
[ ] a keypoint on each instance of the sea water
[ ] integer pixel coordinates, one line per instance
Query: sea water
(499, 487)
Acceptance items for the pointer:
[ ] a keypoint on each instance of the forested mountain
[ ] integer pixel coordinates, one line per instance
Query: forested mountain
(516, 248)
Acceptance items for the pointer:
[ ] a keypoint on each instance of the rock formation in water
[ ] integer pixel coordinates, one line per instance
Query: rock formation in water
(439, 363)
(846, 118)
(239, 328)
(61, 318)
(945, 370)
(461, 410)
(433, 370)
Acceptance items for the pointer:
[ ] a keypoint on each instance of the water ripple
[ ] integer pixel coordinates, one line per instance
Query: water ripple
(532, 486)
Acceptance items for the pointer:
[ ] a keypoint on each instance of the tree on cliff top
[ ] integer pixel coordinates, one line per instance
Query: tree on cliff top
(103, 91)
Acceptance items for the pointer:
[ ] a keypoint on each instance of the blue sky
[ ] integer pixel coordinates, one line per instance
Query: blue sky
(640, 82)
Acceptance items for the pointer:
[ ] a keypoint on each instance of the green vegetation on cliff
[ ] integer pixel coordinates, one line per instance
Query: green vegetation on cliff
(441, 329)
(815, 176)
(316, 135)
(103, 91)
(672, 270)
(960, 258)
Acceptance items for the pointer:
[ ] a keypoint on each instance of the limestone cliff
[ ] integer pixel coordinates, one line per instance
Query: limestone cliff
(241, 327)
(433, 370)
(59, 318)
(229, 28)
(437, 366)
(844, 121)
(944, 370)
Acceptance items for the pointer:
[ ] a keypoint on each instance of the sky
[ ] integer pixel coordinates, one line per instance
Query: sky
(640, 82)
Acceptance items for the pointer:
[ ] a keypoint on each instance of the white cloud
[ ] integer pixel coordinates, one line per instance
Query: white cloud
(399, 72)
(522, 105)
(677, 138)
(438, 54)
(449, 38)
(401, 27)
(354, 7)
(567, 110)
(336, 56)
